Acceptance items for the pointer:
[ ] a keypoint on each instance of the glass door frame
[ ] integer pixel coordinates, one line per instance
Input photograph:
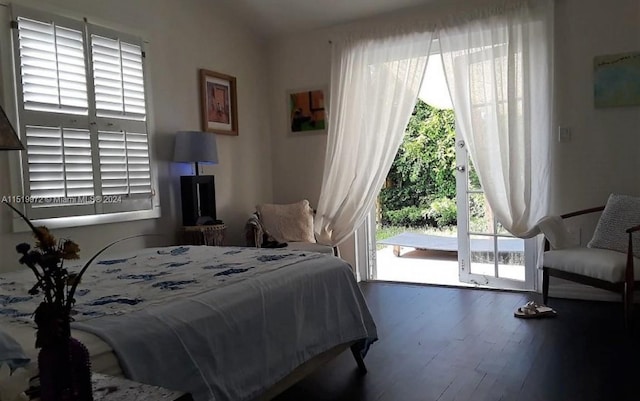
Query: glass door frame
(466, 275)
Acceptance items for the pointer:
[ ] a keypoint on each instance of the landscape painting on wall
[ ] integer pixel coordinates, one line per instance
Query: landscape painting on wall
(306, 111)
(617, 80)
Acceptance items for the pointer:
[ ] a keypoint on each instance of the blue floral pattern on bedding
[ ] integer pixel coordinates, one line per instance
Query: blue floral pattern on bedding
(115, 299)
(112, 262)
(7, 299)
(127, 283)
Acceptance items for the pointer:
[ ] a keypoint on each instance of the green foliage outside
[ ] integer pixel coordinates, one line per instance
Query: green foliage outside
(406, 216)
(421, 185)
(420, 191)
(443, 211)
(422, 172)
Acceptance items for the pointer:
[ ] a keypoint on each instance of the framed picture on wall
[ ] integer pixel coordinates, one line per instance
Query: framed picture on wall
(307, 111)
(218, 102)
(617, 80)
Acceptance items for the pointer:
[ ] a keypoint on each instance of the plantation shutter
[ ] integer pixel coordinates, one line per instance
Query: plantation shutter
(118, 78)
(53, 108)
(119, 95)
(124, 163)
(52, 69)
(82, 116)
(60, 164)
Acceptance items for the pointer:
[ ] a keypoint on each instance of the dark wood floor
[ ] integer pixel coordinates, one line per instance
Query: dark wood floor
(440, 343)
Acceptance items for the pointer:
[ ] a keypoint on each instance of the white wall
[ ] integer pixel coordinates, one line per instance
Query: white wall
(601, 158)
(184, 36)
(603, 154)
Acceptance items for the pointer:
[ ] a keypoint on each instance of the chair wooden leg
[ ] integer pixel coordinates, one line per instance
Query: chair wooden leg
(545, 285)
(628, 306)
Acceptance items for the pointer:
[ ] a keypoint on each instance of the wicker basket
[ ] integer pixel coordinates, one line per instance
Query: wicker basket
(212, 235)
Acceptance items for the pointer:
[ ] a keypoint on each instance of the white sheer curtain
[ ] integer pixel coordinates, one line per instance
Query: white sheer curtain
(498, 66)
(375, 81)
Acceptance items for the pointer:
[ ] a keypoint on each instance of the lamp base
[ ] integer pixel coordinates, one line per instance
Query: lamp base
(198, 200)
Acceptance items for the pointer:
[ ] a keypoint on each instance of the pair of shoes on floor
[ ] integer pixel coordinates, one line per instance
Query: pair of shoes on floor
(532, 310)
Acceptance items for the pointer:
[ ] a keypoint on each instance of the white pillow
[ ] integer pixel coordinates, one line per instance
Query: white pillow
(291, 222)
(620, 213)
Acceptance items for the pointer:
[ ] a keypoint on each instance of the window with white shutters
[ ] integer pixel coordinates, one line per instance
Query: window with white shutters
(83, 117)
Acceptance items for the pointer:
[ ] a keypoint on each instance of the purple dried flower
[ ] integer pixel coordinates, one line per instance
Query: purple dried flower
(23, 248)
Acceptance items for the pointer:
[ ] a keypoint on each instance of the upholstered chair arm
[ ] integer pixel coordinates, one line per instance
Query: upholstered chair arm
(582, 212)
(629, 275)
(254, 233)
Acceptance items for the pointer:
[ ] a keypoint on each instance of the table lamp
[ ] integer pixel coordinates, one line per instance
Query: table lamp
(197, 191)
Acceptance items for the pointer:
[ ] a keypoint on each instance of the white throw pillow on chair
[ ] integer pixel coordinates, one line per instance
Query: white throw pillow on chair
(288, 223)
(620, 213)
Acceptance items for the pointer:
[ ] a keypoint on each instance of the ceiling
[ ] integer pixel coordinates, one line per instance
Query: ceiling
(271, 18)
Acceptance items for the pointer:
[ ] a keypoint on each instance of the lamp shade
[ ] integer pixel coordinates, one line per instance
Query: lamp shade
(195, 147)
(8, 137)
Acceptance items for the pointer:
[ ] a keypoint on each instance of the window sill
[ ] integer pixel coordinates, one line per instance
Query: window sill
(77, 221)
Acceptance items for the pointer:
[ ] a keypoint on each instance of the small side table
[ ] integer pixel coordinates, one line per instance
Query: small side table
(212, 235)
(109, 388)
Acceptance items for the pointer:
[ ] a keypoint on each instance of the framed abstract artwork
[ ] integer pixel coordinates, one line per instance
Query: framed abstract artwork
(617, 80)
(307, 111)
(219, 104)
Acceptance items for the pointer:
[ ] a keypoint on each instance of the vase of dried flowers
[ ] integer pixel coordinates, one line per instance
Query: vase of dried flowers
(63, 362)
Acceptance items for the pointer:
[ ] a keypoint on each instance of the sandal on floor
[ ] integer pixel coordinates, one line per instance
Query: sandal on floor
(532, 310)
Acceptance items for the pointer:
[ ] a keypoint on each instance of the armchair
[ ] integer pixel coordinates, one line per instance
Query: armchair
(290, 226)
(611, 259)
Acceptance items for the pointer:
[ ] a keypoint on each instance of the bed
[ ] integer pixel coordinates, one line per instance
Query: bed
(224, 323)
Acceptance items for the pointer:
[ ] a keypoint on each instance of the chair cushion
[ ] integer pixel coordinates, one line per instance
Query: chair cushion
(597, 263)
(620, 213)
(287, 223)
(309, 247)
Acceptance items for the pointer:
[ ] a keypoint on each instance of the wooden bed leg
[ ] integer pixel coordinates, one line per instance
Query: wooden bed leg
(396, 250)
(362, 368)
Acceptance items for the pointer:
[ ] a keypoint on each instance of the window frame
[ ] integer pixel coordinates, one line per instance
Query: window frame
(134, 207)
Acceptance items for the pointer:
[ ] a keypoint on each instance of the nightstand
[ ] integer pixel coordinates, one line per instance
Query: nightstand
(109, 388)
(203, 235)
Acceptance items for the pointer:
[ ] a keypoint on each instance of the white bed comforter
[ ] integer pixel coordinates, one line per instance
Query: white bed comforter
(221, 323)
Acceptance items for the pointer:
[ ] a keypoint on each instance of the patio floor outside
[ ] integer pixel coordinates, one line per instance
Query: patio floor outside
(431, 267)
